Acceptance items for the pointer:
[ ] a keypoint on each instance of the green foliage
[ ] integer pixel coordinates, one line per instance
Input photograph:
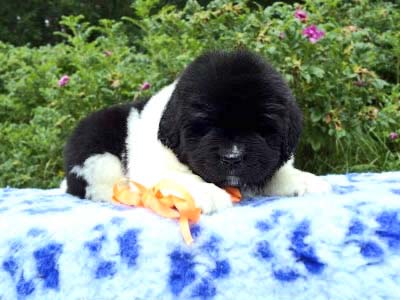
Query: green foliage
(33, 22)
(347, 83)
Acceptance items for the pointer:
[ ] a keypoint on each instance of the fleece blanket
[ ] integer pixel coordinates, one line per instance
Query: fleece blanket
(344, 245)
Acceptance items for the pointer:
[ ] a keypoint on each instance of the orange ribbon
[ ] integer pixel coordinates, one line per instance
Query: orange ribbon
(167, 198)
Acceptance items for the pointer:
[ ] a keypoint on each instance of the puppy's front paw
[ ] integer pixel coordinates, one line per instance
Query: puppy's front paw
(297, 183)
(315, 184)
(209, 197)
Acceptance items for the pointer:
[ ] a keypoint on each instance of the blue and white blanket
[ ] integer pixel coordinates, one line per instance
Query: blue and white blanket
(341, 246)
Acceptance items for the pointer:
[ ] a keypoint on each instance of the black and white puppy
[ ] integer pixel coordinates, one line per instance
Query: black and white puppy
(228, 120)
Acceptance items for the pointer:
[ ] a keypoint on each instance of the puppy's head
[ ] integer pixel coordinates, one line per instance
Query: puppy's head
(232, 119)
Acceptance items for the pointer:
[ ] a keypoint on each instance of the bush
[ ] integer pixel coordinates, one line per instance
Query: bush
(347, 82)
(33, 22)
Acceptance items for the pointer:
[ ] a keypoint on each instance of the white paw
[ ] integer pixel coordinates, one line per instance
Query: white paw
(297, 183)
(209, 197)
(315, 184)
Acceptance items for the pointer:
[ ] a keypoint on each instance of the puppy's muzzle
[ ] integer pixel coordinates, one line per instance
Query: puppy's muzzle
(232, 156)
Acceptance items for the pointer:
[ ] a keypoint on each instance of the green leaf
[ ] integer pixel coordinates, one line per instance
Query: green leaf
(316, 71)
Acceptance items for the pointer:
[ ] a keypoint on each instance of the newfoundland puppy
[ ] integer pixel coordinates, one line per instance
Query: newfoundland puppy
(229, 120)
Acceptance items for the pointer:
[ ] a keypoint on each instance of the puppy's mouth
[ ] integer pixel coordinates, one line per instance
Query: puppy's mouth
(231, 181)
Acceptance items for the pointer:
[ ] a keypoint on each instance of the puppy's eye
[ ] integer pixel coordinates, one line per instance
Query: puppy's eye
(270, 134)
(198, 129)
(269, 131)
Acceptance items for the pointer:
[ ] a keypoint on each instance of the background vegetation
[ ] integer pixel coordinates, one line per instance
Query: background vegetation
(347, 82)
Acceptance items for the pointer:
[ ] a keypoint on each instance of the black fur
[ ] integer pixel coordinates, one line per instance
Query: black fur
(227, 98)
(102, 131)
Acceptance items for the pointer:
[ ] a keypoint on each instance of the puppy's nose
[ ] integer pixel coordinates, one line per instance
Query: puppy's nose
(232, 156)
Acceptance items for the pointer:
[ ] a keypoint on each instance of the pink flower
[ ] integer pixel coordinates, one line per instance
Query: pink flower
(313, 33)
(393, 136)
(63, 80)
(301, 15)
(145, 86)
(360, 83)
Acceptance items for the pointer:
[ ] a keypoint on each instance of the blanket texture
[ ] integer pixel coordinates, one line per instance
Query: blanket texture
(344, 245)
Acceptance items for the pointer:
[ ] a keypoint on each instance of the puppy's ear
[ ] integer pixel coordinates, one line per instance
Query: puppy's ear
(294, 125)
(168, 130)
